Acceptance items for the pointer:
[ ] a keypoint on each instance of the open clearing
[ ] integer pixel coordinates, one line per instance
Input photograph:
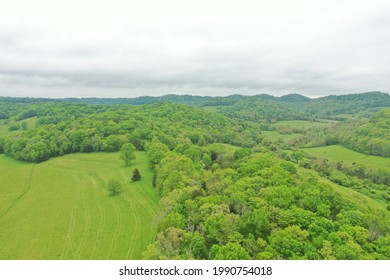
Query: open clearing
(296, 124)
(61, 209)
(339, 153)
(274, 135)
(4, 127)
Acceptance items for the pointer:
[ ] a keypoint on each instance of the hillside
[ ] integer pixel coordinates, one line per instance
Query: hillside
(225, 178)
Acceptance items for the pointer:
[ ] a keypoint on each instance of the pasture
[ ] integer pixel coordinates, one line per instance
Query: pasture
(336, 153)
(276, 136)
(61, 208)
(4, 127)
(299, 124)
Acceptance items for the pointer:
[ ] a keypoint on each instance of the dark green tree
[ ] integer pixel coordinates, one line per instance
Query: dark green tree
(136, 175)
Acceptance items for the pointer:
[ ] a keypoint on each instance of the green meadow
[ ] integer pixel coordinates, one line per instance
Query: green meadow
(274, 135)
(61, 208)
(4, 131)
(289, 127)
(303, 124)
(336, 153)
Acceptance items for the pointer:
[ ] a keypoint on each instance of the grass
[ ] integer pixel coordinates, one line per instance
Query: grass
(4, 127)
(336, 153)
(303, 124)
(297, 125)
(351, 195)
(61, 209)
(274, 135)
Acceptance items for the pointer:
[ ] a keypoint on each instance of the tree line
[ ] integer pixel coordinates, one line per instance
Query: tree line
(68, 128)
(223, 202)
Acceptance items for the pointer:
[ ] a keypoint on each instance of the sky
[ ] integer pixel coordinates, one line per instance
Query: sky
(124, 48)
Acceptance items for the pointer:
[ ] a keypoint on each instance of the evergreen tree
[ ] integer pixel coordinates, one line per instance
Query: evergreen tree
(136, 175)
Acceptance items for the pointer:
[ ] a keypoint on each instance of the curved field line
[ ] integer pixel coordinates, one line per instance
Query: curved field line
(87, 219)
(13, 204)
(118, 229)
(152, 212)
(68, 241)
(118, 219)
(102, 220)
(140, 199)
(137, 227)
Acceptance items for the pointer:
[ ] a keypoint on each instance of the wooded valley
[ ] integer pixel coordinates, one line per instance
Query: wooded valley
(236, 177)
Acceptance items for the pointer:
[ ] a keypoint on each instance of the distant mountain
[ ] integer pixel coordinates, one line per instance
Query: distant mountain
(171, 98)
(333, 105)
(294, 97)
(261, 107)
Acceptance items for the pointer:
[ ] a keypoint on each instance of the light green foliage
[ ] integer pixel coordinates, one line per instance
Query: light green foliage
(173, 219)
(225, 191)
(156, 151)
(206, 160)
(220, 229)
(259, 208)
(127, 153)
(383, 244)
(230, 251)
(169, 243)
(255, 223)
(291, 243)
(114, 187)
(194, 246)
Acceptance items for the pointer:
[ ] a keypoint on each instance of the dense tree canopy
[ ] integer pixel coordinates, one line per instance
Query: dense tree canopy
(228, 191)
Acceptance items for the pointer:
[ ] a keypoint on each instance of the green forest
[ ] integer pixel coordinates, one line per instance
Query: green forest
(222, 178)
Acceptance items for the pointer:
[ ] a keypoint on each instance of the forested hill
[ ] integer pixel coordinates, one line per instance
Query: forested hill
(226, 190)
(63, 128)
(259, 108)
(296, 107)
(347, 104)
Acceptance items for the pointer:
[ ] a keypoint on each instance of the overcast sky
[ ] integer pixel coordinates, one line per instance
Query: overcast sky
(124, 48)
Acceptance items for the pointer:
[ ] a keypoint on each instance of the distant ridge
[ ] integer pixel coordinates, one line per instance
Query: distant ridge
(374, 97)
(295, 97)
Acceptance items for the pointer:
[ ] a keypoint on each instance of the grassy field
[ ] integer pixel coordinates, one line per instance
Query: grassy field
(291, 126)
(274, 135)
(4, 127)
(61, 209)
(303, 124)
(339, 153)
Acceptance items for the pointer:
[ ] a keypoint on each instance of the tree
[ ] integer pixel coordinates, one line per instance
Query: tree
(114, 186)
(290, 243)
(156, 151)
(136, 175)
(127, 153)
(230, 251)
(297, 156)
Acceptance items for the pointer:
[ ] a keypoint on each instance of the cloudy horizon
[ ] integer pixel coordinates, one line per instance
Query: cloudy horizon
(121, 48)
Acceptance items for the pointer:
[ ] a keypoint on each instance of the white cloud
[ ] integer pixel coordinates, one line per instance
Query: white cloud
(128, 48)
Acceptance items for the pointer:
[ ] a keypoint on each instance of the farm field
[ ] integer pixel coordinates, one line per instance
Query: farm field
(61, 208)
(274, 135)
(339, 153)
(298, 124)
